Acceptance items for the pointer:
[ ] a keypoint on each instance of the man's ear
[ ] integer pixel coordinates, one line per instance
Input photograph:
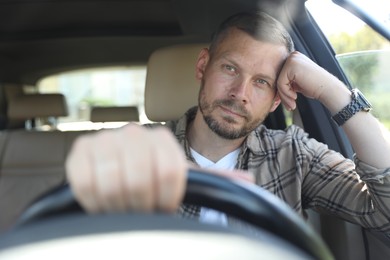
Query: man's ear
(201, 63)
(276, 102)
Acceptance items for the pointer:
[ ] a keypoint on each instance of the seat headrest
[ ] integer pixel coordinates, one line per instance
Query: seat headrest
(114, 114)
(171, 87)
(31, 106)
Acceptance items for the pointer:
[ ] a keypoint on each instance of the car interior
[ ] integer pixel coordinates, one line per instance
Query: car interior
(41, 38)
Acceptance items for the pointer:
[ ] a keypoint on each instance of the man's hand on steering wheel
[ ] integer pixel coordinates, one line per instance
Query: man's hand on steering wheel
(131, 168)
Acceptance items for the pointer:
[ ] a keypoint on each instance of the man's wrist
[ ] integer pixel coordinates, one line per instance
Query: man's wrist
(357, 104)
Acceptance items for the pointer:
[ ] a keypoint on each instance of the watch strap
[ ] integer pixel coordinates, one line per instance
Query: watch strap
(358, 103)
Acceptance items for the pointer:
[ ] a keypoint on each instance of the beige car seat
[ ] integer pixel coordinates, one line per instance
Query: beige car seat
(115, 114)
(32, 161)
(171, 87)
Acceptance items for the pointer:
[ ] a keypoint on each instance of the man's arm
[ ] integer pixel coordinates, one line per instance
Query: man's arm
(369, 139)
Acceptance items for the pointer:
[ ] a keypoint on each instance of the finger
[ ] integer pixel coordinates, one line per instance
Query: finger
(170, 171)
(287, 88)
(80, 176)
(288, 100)
(108, 171)
(235, 174)
(138, 176)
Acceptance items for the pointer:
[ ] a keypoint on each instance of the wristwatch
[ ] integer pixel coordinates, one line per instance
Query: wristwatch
(358, 103)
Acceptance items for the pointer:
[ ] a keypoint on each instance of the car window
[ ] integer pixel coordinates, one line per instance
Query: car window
(87, 88)
(363, 54)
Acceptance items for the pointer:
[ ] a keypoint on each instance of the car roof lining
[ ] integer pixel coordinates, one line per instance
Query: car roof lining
(70, 18)
(41, 30)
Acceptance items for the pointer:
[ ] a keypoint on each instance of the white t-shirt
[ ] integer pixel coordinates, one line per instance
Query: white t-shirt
(228, 162)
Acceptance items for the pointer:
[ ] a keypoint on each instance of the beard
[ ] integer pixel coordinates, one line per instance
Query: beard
(225, 128)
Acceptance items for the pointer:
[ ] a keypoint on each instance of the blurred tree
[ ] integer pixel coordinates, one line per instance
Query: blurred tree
(364, 39)
(359, 66)
(364, 66)
(361, 69)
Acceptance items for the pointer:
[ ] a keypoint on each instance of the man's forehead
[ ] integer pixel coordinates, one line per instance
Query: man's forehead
(236, 36)
(255, 54)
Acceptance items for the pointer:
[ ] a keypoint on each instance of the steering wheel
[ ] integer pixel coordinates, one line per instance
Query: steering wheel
(244, 201)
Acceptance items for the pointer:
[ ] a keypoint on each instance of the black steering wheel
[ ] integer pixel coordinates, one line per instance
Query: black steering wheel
(243, 201)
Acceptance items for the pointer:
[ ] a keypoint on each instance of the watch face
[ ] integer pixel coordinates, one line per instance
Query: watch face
(362, 101)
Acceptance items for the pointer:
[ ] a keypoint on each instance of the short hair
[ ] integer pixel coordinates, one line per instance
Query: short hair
(259, 25)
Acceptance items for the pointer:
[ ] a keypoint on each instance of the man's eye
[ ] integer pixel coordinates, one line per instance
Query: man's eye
(229, 68)
(262, 82)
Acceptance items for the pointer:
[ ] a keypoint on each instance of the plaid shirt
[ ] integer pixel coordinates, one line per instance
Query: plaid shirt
(306, 174)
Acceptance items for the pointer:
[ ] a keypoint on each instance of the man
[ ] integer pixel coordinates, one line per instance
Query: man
(249, 69)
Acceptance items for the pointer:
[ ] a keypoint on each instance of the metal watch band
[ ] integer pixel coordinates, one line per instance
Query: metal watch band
(358, 103)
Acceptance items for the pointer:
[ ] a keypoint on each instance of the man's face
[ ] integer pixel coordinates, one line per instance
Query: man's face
(238, 83)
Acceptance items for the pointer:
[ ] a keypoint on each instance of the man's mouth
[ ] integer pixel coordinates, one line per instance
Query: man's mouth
(230, 111)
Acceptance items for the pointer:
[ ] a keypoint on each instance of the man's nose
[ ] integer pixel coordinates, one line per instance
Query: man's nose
(240, 90)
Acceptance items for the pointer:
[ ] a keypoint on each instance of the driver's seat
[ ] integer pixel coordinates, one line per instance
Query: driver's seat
(171, 87)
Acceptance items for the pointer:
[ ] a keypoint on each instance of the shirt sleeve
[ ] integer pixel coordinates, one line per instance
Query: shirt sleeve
(370, 174)
(351, 190)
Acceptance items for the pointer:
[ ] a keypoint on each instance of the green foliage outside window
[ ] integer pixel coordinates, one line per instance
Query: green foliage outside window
(365, 59)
